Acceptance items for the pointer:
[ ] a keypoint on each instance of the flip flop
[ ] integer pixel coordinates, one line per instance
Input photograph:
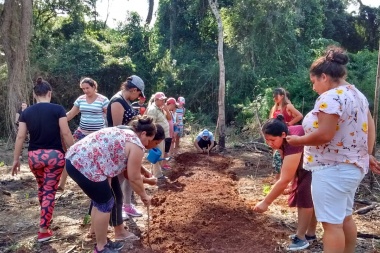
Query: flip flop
(131, 237)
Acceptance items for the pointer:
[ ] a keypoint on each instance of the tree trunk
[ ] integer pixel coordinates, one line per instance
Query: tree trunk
(172, 25)
(150, 12)
(376, 112)
(16, 26)
(222, 81)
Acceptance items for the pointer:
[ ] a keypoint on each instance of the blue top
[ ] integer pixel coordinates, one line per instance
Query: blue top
(206, 134)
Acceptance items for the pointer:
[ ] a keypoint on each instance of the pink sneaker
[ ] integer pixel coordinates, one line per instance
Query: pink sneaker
(166, 167)
(131, 210)
(45, 236)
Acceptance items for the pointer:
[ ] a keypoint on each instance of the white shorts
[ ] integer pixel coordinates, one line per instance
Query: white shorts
(333, 189)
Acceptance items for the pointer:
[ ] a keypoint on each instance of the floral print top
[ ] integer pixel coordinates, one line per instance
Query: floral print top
(101, 154)
(349, 145)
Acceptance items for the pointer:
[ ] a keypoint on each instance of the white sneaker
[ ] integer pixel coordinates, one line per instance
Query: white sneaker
(124, 215)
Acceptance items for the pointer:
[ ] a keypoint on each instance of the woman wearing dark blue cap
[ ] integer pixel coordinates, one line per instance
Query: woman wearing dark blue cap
(204, 141)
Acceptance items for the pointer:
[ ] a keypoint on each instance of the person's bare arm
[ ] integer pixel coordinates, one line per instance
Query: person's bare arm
(374, 165)
(371, 133)
(135, 155)
(271, 113)
(325, 133)
(197, 146)
(167, 112)
(65, 132)
(21, 135)
(146, 172)
(296, 115)
(117, 113)
(288, 171)
(72, 113)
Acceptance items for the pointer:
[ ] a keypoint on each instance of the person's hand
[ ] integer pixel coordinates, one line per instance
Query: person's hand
(146, 199)
(374, 165)
(147, 174)
(150, 180)
(15, 167)
(293, 140)
(261, 207)
(200, 150)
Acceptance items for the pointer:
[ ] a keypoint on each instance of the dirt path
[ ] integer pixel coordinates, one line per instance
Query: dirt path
(205, 207)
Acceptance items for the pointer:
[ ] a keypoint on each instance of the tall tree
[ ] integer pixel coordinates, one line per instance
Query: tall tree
(221, 125)
(150, 12)
(16, 27)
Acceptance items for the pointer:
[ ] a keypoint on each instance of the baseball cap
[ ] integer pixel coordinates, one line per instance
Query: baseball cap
(159, 96)
(205, 133)
(171, 101)
(138, 82)
(181, 100)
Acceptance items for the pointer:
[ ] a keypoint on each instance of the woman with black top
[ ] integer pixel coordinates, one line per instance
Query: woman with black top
(46, 123)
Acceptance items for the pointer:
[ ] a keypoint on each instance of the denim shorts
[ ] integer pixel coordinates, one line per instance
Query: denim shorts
(179, 131)
(333, 189)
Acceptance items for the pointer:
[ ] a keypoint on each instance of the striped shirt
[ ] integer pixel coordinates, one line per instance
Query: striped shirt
(92, 118)
(180, 112)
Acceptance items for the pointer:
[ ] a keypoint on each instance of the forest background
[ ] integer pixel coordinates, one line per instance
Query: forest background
(267, 44)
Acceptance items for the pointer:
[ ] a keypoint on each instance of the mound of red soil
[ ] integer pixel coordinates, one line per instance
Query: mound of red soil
(199, 210)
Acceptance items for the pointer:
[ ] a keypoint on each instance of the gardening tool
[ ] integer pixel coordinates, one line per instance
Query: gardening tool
(148, 227)
(154, 156)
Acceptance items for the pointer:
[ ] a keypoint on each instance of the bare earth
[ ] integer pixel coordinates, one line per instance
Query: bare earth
(205, 207)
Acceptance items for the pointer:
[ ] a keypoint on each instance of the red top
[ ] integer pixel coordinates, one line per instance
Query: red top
(284, 113)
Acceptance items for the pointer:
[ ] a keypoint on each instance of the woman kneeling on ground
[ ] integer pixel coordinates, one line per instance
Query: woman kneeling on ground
(94, 161)
(275, 131)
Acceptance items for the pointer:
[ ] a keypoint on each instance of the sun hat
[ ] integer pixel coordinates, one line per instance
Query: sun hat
(138, 82)
(181, 100)
(171, 101)
(159, 96)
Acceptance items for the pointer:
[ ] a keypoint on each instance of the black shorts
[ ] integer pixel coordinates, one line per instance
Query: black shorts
(168, 143)
(205, 144)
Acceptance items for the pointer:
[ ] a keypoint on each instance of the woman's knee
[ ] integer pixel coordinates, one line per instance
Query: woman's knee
(330, 226)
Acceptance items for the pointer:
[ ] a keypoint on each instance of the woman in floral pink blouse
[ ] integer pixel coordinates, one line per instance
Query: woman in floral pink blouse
(339, 136)
(93, 161)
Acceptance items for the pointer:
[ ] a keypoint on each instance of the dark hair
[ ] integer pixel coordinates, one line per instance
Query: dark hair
(41, 88)
(160, 134)
(276, 126)
(144, 123)
(127, 85)
(90, 82)
(333, 64)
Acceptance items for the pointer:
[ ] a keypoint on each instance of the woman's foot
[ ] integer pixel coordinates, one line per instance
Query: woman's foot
(126, 236)
(44, 235)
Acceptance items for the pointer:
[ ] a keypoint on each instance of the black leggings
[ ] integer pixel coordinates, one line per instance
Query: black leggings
(100, 193)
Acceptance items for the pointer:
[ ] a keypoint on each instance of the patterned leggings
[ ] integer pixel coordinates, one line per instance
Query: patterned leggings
(47, 166)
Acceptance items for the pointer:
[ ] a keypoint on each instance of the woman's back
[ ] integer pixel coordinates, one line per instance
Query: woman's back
(42, 122)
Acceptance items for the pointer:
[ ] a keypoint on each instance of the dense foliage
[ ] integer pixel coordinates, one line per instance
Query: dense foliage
(267, 44)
